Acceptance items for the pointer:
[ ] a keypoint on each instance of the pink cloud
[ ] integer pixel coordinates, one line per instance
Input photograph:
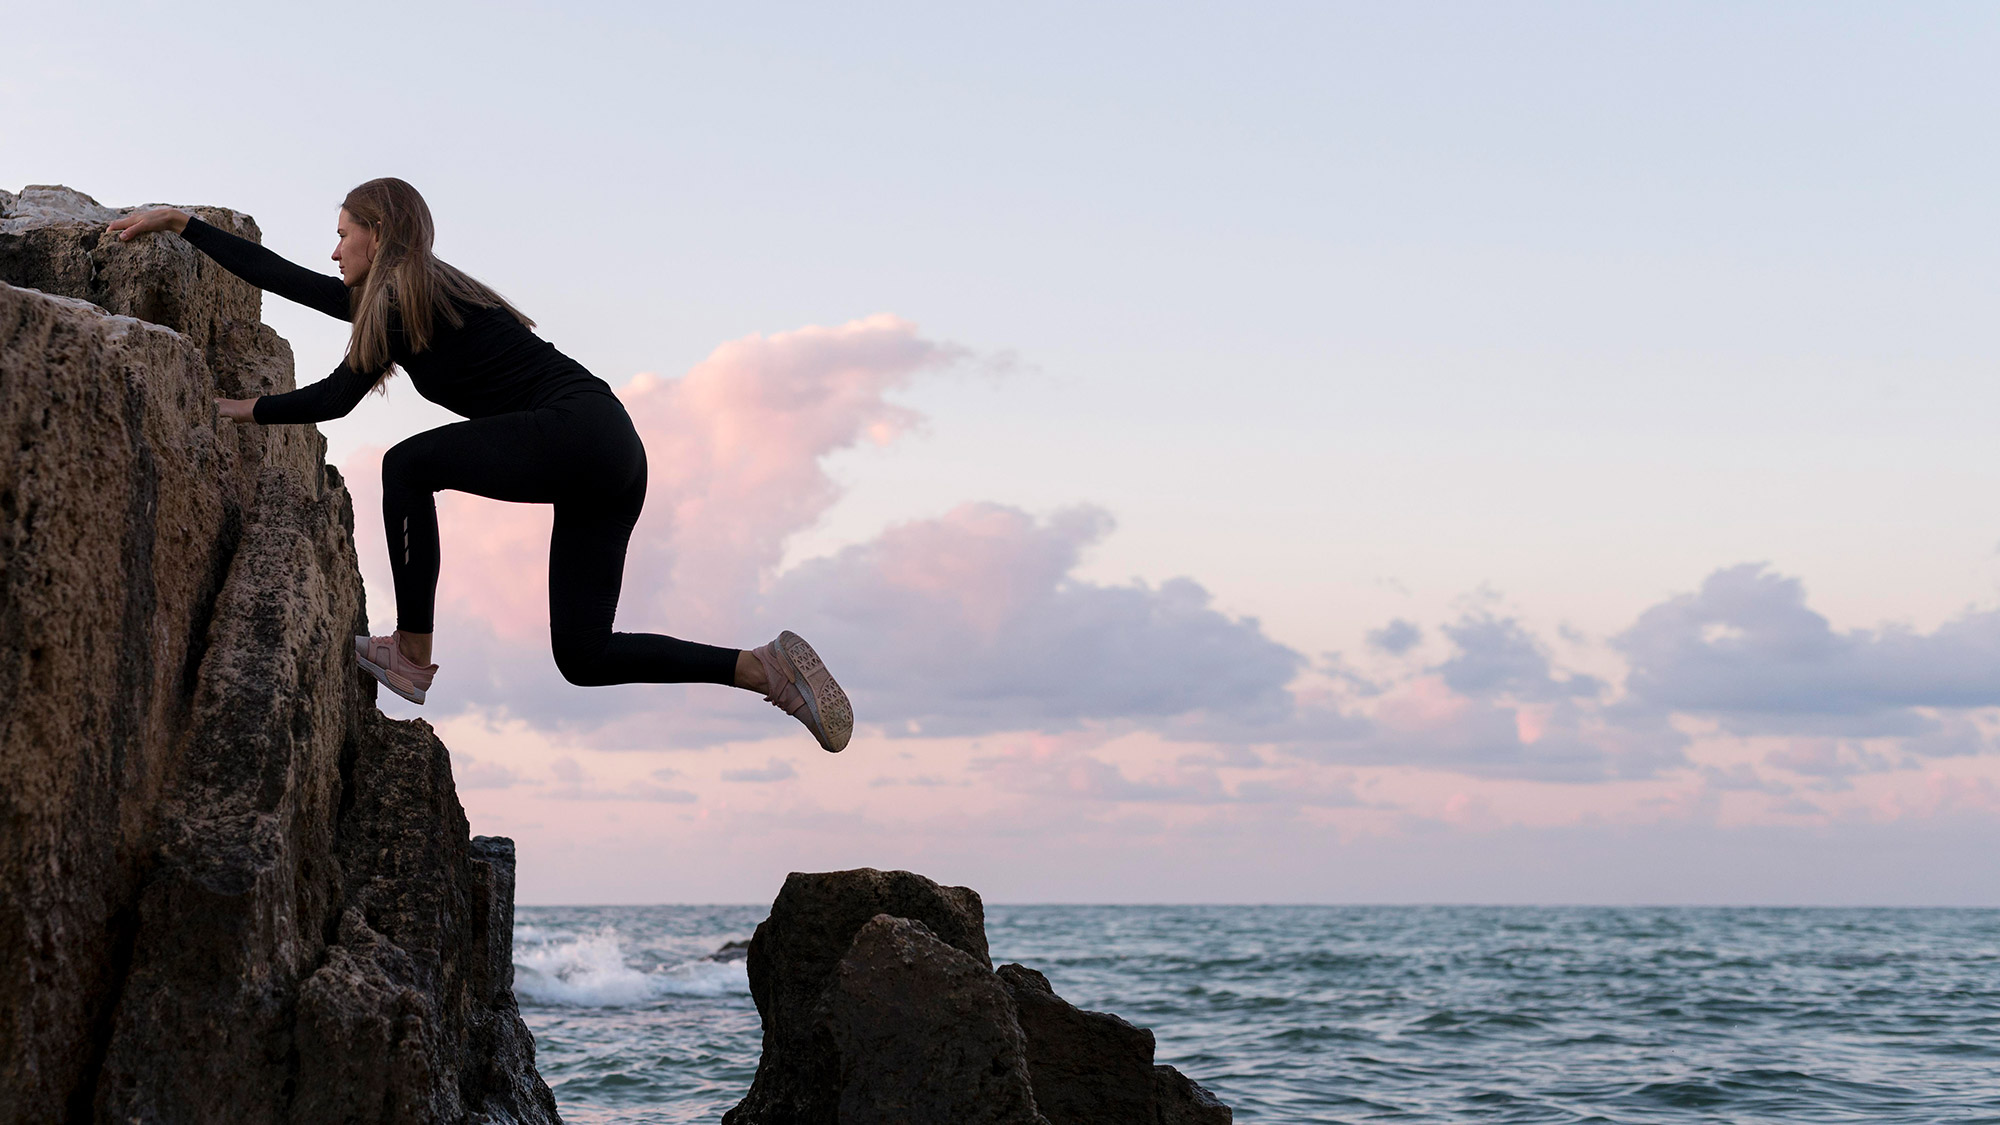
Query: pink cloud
(1423, 705)
(973, 622)
(734, 451)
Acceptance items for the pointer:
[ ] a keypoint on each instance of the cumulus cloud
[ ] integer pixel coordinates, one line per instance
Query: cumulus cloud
(974, 621)
(965, 623)
(1396, 638)
(973, 624)
(1495, 707)
(734, 461)
(1746, 651)
(1495, 656)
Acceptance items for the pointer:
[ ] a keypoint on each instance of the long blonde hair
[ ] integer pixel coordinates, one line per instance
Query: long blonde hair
(406, 279)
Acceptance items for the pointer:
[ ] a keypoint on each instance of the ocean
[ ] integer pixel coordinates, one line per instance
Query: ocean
(1368, 1014)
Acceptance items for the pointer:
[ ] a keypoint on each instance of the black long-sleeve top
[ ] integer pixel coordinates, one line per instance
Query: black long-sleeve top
(489, 364)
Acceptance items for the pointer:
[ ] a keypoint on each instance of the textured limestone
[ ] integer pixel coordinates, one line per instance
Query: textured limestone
(52, 239)
(233, 891)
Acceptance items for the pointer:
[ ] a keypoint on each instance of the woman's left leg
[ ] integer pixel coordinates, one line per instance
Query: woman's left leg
(586, 571)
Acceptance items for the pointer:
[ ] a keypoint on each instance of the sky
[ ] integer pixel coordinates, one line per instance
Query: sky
(1231, 453)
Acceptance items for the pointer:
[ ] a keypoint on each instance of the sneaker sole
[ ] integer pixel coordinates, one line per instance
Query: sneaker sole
(381, 674)
(832, 714)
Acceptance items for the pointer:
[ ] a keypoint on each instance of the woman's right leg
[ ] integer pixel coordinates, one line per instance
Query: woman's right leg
(501, 457)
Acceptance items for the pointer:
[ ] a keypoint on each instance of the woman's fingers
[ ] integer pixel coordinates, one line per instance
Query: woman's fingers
(237, 409)
(132, 226)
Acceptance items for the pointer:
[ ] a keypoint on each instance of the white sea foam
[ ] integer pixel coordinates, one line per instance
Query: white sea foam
(590, 971)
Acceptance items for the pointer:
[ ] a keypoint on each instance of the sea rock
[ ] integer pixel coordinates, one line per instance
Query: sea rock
(879, 1003)
(235, 892)
(1089, 1068)
(917, 1030)
(1180, 1100)
(1093, 1068)
(793, 956)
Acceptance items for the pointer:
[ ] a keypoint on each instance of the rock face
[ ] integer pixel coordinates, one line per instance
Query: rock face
(920, 1031)
(1095, 1067)
(879, 1004)
(1087, 1066)
(233, 891)
(796, 953)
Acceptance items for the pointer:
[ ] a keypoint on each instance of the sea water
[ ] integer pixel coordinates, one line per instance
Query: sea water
(1350, 1014)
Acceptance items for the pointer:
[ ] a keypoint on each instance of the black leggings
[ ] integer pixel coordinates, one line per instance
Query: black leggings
(581, 454)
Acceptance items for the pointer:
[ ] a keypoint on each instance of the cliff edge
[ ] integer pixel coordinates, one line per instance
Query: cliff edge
(230, 889)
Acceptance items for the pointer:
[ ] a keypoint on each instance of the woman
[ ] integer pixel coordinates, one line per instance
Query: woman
(541, 430)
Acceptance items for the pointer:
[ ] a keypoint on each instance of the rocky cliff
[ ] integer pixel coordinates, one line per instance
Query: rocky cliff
(230, 890)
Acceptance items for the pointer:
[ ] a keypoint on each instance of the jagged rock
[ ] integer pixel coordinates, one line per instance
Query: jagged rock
(918, 1031)
(879, 1003)
(731, 951)
(52, 238)
(235, 892)
(1093, 1068)
(792, 960)
(1180, 1100)
(415, 1004)
(1089, 1068)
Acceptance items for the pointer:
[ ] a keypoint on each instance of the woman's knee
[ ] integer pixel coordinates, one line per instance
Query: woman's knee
(403, 465)
(580, 657)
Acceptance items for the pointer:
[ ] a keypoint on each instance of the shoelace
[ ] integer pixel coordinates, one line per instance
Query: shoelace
(785, 695)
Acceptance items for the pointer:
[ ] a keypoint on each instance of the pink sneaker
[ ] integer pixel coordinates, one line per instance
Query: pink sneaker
(380, 658)
(805, 690)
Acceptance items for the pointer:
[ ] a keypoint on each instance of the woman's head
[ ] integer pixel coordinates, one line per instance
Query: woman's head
(385, 220)
(385, 257)
(356, 249)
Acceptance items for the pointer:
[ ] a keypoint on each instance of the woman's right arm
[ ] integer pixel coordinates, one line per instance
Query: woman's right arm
(332, 397)
(244, 258)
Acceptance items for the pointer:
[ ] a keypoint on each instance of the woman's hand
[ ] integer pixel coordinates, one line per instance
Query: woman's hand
(236, 409)
(146, 222)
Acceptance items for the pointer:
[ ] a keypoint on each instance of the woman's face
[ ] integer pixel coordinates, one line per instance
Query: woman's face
(356, 250)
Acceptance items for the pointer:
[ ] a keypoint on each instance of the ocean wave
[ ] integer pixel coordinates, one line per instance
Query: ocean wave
(591, 970)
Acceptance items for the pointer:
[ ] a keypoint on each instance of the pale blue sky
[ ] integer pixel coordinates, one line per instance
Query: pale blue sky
(1349, 312)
